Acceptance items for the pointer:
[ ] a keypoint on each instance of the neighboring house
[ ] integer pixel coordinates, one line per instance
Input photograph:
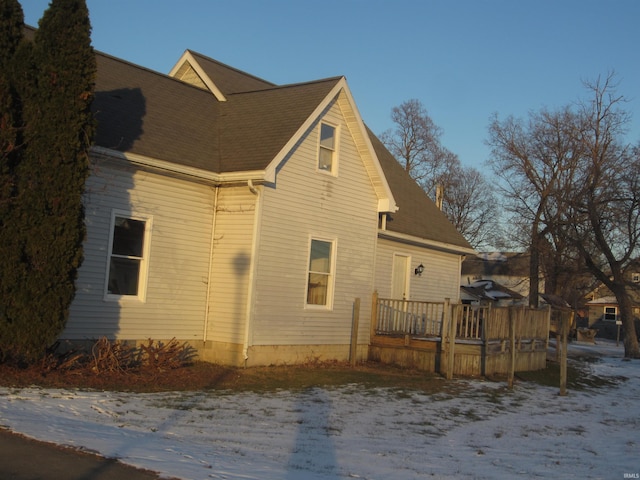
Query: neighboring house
(489, 292)
(509, 269)
(603, 305)
(245, 218)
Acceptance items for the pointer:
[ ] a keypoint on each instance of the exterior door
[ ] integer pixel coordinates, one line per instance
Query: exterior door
(400, 277)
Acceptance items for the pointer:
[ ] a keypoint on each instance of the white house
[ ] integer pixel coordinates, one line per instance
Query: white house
(245, 217)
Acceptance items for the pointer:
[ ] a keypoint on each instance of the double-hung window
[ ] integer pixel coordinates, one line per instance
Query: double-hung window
(320, 276)
(128, 252)
(610, 314)
(327, 154)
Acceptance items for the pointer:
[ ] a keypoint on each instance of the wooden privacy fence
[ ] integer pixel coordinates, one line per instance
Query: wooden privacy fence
(457, 339)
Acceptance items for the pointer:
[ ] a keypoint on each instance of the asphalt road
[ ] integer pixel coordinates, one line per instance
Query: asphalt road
(24, 459)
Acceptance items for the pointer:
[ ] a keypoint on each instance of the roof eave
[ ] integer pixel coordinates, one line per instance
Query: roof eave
(425, 243)
(175, 169)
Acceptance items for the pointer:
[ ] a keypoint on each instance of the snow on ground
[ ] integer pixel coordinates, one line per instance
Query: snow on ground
(484, 431)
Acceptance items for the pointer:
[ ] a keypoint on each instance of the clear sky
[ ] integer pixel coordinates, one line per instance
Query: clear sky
(463, 59)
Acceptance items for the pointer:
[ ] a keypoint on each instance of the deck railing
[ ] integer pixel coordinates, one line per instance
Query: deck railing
(426, 319)
(470, 320)
(459, 339)
(405, 317)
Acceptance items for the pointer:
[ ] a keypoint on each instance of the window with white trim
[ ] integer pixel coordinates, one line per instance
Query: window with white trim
(327, 152)
(635, 277)
(610, 314)
(320, 275)
(128, 252)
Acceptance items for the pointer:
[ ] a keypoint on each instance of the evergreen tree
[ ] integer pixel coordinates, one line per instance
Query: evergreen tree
(50, 177)
(11, 26)
(11, 30)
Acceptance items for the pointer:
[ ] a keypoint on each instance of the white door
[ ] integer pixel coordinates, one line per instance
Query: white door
(400, 277)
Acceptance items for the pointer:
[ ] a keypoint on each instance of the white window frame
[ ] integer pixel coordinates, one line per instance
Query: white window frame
(144, 260)
(334, 151)
(609, 311)
(331, 275)
(635, 277)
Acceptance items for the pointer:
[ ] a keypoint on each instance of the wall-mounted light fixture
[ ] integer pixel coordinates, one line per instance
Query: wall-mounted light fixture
(419, 269)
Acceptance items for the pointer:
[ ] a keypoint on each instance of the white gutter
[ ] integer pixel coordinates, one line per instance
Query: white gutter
(423, 242)
(184, 170)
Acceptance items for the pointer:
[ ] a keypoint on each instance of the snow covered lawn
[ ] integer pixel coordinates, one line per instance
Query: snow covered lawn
(483, 432)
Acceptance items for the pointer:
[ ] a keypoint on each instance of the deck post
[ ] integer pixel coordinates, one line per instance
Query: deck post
(513, 314)
(448, 317)
(374, 316)
(484, 337)
(354, 332)
(564, 333)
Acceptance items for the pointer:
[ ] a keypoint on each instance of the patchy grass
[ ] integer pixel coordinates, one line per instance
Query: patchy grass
(207, 376)
(579, 375)
(203, 376)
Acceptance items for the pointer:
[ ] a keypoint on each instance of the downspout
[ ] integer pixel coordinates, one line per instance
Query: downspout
(210, 273)
(252, 266)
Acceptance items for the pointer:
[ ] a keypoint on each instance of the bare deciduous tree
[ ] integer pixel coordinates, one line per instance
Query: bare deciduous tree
(603, 220)
(576, 183)
(536, 161)
(468, 201)
(415, 141)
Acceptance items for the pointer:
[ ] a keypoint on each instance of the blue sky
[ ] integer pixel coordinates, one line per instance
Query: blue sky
(463, 59)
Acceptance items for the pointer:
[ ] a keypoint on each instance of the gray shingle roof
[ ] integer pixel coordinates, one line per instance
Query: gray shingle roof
(417, 215)
(513, 264)
(144, 112)
(255, 126)
(148, 113)
(228, 79)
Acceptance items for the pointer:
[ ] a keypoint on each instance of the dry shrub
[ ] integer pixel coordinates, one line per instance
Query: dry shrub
(112, 356)
(107, 357)
(70, 360)
(158, 356)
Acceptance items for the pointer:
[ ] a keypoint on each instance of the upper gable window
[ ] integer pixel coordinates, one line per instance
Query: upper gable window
(327, 154)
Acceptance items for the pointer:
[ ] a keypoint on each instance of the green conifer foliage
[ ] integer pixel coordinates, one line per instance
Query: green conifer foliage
(50, 177)
(11, 26)
(11, 31)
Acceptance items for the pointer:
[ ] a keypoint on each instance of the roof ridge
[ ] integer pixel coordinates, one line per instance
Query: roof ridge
(165, 76)
(222, 64)
(291, 85)
(31, 30)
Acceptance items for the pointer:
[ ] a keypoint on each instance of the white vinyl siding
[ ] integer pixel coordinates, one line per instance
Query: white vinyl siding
(303, 205)
(231, 263)
(177, 264)
(440, 279)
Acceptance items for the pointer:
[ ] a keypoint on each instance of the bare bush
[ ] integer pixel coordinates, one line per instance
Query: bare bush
(112, 356)
(159, 356)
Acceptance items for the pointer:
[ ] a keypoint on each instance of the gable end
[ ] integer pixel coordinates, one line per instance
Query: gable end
(187, 74)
